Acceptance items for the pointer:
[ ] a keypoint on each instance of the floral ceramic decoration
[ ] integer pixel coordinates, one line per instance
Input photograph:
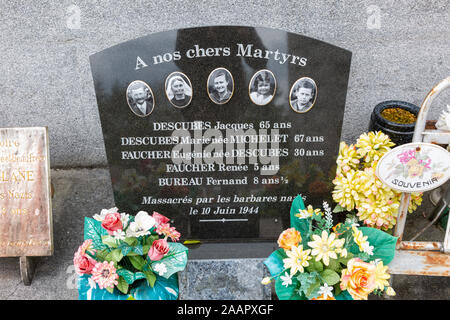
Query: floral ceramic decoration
(414, 167)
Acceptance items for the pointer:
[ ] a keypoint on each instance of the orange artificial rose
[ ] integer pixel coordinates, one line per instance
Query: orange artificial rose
(288, 238)
(358, 279)
(321, 297)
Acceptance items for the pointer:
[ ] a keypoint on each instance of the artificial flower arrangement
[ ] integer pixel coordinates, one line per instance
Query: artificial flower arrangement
(319, 261)
(357, 188)
(129, 257)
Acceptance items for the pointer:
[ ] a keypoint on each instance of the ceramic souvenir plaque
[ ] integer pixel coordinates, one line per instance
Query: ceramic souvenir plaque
(25, 208)
(414, 167)
(221, 127)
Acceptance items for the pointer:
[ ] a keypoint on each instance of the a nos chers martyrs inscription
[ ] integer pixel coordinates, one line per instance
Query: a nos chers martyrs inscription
(241, 50)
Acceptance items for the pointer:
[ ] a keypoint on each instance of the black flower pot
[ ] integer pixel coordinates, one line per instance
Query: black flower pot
(399, 133)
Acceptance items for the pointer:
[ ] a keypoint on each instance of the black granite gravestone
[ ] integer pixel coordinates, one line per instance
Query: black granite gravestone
(221, 127)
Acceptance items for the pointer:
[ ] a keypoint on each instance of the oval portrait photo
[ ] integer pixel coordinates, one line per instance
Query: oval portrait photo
(140, 98)
(179, 89)
(220, 86)
(303, 95)
(262, 87)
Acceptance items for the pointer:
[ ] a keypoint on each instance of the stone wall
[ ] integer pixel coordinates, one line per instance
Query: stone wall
(400, 50)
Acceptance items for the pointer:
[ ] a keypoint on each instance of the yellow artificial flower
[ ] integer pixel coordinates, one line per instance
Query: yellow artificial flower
(371, 185)
(380, 213)
(326, 247)
(308, 212)
(381, 276)
(348, 158)
(416, 200)
(266, 281)
(359, 238)
(373, 145)
(342, 252)
(346, 191)
(390, 291)
(357, 186)
(297, 259)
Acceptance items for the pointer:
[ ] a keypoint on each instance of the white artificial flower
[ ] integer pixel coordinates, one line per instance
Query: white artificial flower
(325, 290)
(119, 234)
(141, 225)
(367, 248)
(160, 268)
(287, 279)
(124, 218)
(100, 217)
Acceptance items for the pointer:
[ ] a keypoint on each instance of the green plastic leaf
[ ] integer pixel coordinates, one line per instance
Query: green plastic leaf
(313, 290)
(122, 285)
(115, 255)
(383, 243)
(307, 279)
(337, 289)
(334, 265)
(137, 261)
(288, 293)
(149, 239)
(274, 262)
(93, 230)
(314, 266)
(126, 249)
(127, 275)
(131, 241)
(301, 225)
(175, 260)
(339, 208)
(344, 295)
(151, 278)
(110, 290)
(346, 259)
(101, 255)
(330, 277)
(138, 249)
(139, 275)
(110, 241)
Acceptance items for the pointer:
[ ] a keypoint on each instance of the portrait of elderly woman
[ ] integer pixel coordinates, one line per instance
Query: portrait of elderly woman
(178, 89)
(303, 95)
(220, 86)
(140, 98)
(262, 87)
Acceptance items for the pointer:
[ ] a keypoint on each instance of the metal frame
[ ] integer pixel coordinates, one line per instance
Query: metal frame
(421, 257)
